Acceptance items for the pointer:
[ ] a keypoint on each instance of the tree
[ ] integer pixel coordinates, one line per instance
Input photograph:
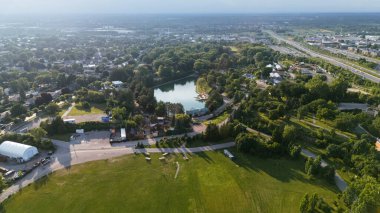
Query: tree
(212, 132)
(17, 110)
(52, 108)
(325, 113)
(335, 151)
(43, 99)
(290, 134)
(182, 121)
(119, 113)
(304, 205)
(161, 109)
(214, 101)
(38, 133)
(318, 88)
(345, 121)
(295, 151)
(164, 72)
(86, 105)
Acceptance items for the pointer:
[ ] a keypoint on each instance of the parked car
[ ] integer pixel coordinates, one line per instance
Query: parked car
(36, 164)
(45, 161)
(9, 173)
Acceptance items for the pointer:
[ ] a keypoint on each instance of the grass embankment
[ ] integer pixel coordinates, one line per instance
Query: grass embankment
(207, 182)
(217, 120)
(78, 110)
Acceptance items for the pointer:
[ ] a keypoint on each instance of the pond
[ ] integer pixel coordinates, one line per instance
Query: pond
(182, 91)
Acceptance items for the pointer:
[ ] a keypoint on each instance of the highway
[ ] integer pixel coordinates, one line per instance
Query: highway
(352, 55)
(361, 71)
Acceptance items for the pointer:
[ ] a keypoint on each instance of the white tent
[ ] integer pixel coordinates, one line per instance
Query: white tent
(17, 150)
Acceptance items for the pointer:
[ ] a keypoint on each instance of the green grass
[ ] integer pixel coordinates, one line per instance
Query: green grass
(198, 143)
(78, 110)
(61, 137)
(207, 182)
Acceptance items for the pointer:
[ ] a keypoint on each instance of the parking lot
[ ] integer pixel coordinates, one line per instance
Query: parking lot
(91, 140)
(11, 170)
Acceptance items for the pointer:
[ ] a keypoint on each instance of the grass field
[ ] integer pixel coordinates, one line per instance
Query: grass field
(208, 182)
(78, 110)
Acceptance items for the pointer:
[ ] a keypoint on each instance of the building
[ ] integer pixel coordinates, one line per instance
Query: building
(18, 151)
(117, 84)
(69, 121)
(123, 134)
(377, 145)
(275, 77)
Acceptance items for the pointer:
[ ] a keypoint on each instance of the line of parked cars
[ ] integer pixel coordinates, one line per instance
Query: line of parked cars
(43, 162)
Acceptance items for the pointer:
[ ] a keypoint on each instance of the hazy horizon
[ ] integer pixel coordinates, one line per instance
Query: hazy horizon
(188, 7)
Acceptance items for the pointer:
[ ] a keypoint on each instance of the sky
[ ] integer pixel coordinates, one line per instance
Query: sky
(184, 6)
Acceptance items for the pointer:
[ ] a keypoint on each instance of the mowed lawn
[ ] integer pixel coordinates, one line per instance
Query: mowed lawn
(207, 182)
(78, 110)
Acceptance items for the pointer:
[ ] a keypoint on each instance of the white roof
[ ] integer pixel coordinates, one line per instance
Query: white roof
(17, 150)
(117, 82)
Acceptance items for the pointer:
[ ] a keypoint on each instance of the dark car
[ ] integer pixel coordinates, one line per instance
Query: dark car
(36, 164)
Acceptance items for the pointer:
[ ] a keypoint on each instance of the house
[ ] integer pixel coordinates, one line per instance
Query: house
(69, 121)
(275, 77)
(4, 115)
(55, 94)
(249, 76)
(14, 98)
(377, 145)
(117, 84)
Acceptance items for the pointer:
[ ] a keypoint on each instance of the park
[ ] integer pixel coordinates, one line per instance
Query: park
(207, 182)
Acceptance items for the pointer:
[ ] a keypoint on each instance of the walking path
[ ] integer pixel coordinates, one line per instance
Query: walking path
(68, 110)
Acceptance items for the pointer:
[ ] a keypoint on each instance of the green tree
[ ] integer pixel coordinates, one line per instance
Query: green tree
(38, 133)
(212, 132)
(182, 121)
(52, 109)
(18, 110)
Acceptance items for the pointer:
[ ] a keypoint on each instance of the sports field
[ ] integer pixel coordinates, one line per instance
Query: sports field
(207, 182)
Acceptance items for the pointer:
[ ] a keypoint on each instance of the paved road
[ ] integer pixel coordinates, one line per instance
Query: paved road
(336, 61)
(352, 55)
(67, 156)
(29, 125)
